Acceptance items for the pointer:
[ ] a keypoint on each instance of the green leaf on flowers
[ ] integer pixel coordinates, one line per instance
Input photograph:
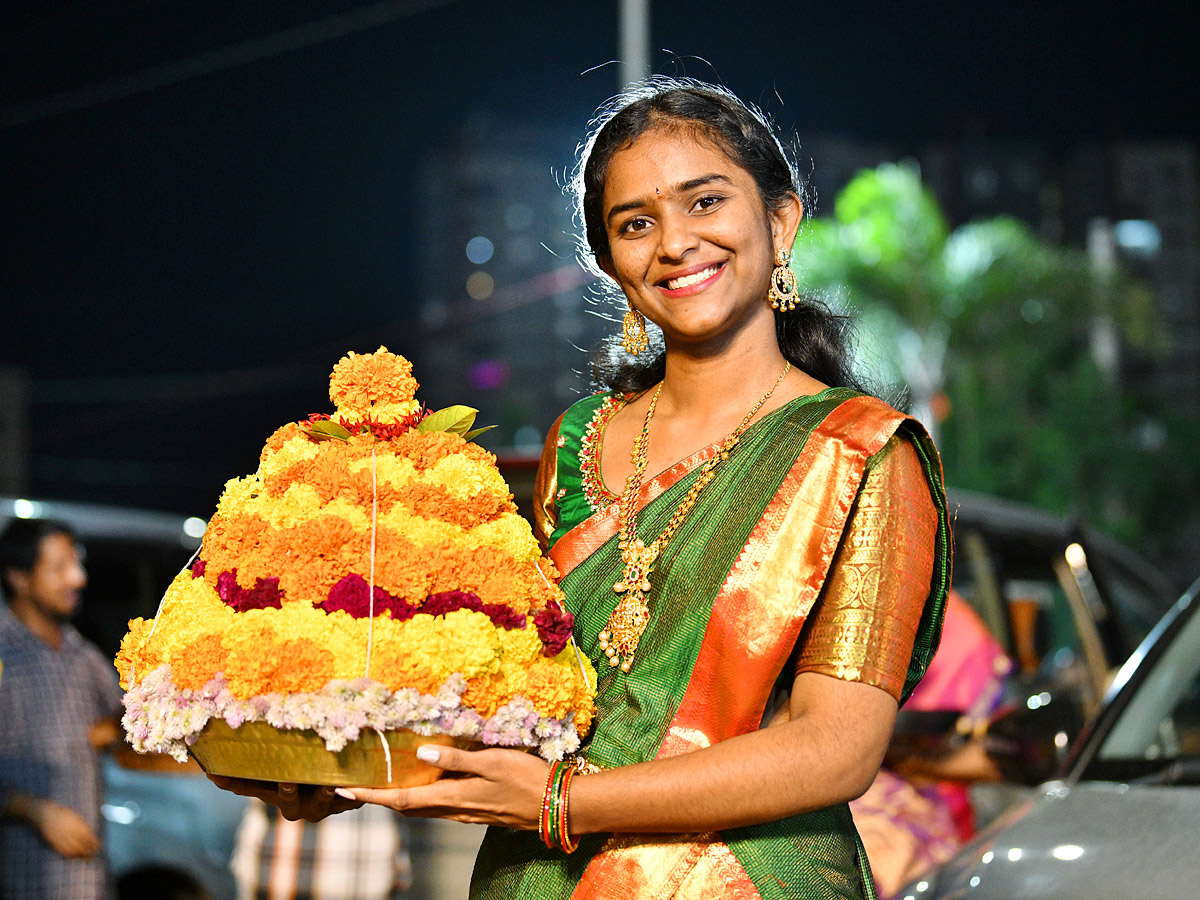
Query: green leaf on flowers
(325, 430)
(471, 435)
(455, 419)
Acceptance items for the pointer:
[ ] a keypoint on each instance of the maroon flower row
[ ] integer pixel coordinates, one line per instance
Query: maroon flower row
(352, 595)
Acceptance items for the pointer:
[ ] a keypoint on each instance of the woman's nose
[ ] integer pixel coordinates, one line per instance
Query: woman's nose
(676, 236)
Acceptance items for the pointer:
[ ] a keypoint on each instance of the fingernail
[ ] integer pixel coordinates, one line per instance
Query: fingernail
(342, 792)
(428, 753)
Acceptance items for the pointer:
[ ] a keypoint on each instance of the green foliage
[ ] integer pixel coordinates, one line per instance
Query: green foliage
(1032, 414)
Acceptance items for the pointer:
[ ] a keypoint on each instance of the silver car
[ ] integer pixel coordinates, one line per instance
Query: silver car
(1123, 818)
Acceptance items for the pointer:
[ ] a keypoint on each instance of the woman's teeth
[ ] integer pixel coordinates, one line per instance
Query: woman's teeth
(675, 284)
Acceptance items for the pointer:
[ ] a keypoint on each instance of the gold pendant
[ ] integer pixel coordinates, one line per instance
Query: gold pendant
(620, 637)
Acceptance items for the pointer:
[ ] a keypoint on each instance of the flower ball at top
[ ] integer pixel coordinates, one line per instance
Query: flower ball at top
(378, 386)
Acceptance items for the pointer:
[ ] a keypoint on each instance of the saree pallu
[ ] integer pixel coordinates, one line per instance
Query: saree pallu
(730, 597)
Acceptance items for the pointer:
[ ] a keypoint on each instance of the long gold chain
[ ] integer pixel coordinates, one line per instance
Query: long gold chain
(620, 636)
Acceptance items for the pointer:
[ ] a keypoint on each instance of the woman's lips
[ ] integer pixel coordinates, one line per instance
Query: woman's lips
(691, 282)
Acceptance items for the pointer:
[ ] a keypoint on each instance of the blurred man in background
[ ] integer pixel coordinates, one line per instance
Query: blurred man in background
(59, 703)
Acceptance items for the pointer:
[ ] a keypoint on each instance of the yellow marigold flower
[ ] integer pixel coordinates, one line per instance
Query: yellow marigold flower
(297, 448)
(358, 518)
(462, 641)
(389, 469)
(419, 530)
(190, 610)
(237, 493)
(393, 412)
(297, 504)
(132, 659)
(359, 384)
(465, 478)
(520, 645)
(510, 533)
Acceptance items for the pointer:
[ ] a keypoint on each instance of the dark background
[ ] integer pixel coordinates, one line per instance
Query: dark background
(206, 204)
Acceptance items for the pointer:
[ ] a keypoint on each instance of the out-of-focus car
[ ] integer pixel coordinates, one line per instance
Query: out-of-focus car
(1069, 604)
(158, 813)
(1121, 819)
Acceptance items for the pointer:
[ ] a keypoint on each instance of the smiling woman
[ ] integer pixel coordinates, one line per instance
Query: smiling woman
(767, 584)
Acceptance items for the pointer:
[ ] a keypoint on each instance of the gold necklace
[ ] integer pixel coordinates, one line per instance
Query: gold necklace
(620, 636)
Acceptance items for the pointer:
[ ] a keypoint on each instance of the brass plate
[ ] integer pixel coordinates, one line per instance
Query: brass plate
(260, 751)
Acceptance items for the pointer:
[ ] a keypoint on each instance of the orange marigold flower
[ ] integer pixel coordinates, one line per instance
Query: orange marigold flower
(488, 693)
(251, 657)
(550, 687)
(427, 450)
(435, 502)
(302, 666)
(281, 436)
(360, 382)
(199, 661)
(133, 657)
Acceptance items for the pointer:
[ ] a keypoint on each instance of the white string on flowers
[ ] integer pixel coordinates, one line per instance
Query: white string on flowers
(154, 623)
(578, 656)
(387, 753)
(371, 581)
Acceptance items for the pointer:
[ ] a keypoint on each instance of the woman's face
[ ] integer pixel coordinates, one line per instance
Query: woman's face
(691, 242)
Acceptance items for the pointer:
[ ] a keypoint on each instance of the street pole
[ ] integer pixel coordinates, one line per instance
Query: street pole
(634, 40)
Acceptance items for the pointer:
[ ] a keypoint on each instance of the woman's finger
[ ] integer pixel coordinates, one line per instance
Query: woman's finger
(450, 759)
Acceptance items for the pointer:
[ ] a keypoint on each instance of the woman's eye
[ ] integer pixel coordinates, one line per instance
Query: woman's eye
(634, 225)
(708, 201)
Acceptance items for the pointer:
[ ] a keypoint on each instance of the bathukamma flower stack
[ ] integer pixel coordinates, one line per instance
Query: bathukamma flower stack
(372, 575)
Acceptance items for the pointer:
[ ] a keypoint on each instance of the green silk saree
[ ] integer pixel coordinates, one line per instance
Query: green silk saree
(730, 597)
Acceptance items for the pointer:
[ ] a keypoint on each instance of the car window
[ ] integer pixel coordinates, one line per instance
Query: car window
(1161, 722)
(1011, 581)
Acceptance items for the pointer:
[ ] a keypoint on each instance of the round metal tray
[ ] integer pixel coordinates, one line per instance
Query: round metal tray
(262, 752)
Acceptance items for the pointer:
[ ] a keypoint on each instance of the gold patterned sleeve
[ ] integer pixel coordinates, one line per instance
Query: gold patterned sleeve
(545, 486)
(865, 622)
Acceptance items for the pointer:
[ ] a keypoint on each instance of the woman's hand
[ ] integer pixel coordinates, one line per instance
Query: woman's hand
(295, 801)
(488, 787)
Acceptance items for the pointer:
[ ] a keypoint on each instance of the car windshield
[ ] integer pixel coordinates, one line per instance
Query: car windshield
(1157, 736)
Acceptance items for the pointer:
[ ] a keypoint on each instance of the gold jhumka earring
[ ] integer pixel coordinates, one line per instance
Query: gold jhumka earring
(782, 293)
(633, 333)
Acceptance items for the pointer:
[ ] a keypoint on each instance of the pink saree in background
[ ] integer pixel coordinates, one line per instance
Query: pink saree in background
(906, 829)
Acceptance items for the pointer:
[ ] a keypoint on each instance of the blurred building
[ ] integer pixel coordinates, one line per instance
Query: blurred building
(1130, 201)
(828, 162)
(506, 318)
(1146, 192)
(14, 431)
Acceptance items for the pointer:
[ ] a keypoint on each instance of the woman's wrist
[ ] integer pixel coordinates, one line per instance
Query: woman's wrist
(554, 825)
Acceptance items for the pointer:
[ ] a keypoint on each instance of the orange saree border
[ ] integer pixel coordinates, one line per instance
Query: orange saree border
(756, 619)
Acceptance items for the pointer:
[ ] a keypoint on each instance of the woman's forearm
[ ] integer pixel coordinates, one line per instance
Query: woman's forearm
(825, 755)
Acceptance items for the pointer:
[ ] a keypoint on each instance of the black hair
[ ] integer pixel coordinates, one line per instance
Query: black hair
(812, 336)
(161, 883)
(21, 543)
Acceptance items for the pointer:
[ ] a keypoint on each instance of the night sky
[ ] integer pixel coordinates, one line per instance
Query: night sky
(207, 203)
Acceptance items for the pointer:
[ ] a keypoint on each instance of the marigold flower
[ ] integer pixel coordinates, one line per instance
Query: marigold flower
(378, 384)
(273, 622)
